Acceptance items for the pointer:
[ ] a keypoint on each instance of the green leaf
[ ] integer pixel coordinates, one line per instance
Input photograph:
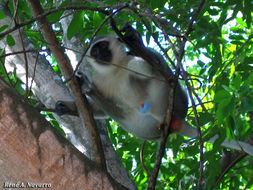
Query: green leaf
(213, 12)
(226, 88)
(10, 40)
(230, 126)
(58, 128)
(241, 22)
(2, 15)
(237, 30)
(55, 16)
(237, 81)
(2, 28)
(200, 63)
(236, 37)
(247, 104)
(218, 142)
(249, 79)
(75, 25)
(222, 95)
(205, 118)
(225, 108)
(248, 60)
(157, 3)
(248, 12)
(64, 3)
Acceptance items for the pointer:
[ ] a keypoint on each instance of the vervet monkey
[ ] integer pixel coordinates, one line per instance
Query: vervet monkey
(127, 88)
(123, 86)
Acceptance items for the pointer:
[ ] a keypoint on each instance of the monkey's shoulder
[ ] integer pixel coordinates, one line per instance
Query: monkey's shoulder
(138, 67)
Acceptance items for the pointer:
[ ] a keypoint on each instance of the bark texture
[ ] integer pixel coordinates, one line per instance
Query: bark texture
(33, 153)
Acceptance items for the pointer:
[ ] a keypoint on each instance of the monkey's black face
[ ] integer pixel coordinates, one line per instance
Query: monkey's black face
(101, 52)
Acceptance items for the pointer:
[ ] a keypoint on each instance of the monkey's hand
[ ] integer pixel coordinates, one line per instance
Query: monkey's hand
(69, 107)
(131, 35)
(84, 82)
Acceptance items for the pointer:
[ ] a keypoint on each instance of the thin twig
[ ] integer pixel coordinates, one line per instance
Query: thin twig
(189, 29)
(25, 55)
(237, 158)
(194, 17)
(21, 52)
(45, 14)
(199, 134)
(132, 71)
(142, 160)
(165, 134)
(81, 101)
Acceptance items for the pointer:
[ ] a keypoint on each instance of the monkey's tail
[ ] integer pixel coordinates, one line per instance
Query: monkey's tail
(189, 131)
(142, 160)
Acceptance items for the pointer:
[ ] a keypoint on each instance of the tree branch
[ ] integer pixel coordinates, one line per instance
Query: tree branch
(45, 14)
(33, 151)
(64, 64)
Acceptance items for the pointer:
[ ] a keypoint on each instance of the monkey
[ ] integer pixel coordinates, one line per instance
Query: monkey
(122, 85)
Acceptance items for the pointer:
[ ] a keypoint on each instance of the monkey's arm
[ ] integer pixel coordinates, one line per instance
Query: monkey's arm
(134, 42)
(69, 107)
(108, 105)
(96, 101)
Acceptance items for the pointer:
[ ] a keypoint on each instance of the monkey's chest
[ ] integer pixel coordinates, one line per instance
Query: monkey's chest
(128, 92)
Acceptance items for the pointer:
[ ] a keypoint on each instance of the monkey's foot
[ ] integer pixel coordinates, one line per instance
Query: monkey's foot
(61, 108)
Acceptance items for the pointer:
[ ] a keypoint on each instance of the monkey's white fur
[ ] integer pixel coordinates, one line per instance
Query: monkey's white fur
(113, 81)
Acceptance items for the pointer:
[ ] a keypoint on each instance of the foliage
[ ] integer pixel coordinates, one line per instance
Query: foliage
(219, 63)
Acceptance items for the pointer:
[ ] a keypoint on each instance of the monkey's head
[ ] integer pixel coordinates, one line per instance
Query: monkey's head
(105, 51)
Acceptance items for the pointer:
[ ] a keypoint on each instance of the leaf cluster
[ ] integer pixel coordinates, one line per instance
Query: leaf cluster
(218, 61)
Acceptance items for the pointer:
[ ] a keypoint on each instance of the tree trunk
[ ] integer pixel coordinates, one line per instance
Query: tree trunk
(48, 88)
(33, 154)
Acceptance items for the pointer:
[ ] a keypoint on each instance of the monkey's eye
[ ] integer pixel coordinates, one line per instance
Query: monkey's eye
(101, 52)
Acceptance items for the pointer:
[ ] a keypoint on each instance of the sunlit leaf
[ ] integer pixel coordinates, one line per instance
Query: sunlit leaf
(75, 25)
(10, 40)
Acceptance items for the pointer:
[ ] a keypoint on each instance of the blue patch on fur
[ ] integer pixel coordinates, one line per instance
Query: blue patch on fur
(145, 107)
